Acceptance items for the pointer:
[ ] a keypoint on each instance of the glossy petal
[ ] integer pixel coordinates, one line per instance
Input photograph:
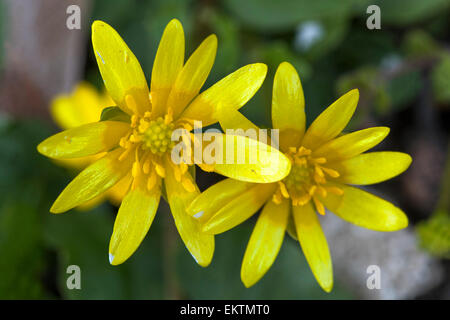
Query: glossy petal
(365, 210)
(119, 191)
(193, 75)
(372, 167)
(234, 120)
(250, 160)
(230, 93)
(314, 244)
(239, 209)
(199, 244)
(86, 140)
(265, 241)
(216, 197)
(133, 221)
(93, 181)
(89, 205)
(330, 123)
(120, 70)
(79, 163)
(167, 65)
(352, 144)
(83, 106)
(288, 106)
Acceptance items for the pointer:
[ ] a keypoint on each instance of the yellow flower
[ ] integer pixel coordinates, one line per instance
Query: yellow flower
(84, 105)
(324, 162)
(141, 147)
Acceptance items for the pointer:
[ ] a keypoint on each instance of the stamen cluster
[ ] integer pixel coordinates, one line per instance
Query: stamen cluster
(307, 180)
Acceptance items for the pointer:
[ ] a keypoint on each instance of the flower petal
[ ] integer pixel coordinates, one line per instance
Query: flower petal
(119, 191)
(133, 221)
(85, 140)
(167, 65)
(352, 144)
(239, 209)
(199, 244)
(120, 70)
(265, 241)
(216, 197)
(288, 105)
(93, 181)
(193, 75)
(314, 244)
(332, 121)
(234, 120)
(230, 93)
(370, 168)
(82, 106)
(365, 210)
(249, 160)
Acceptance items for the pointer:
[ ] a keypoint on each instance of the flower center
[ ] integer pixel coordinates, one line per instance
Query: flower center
(307, 179)
(156, 135)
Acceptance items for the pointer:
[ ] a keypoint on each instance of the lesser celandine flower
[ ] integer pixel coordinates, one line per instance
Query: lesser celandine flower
(142, 145)
(324, 165)
(85, 105)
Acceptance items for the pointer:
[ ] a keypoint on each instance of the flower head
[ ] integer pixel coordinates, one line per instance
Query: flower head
(324, 163)
(136, 137)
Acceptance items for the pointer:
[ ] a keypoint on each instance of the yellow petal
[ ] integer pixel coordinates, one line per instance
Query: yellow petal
(240, 208)
(193, 75)
(93, 181)
(234, 120)
(86, 140)
(167, 65)
(292, 232)
(82, 106)
(230, 93)
(133, 221)
(120, 70)
(330, 123)
(352, 144)
(216, 197)
(372, 167)
(265, 241)
(288, 105)
(199, 244)
(250, 160)
(91, 203)
(365, 210)
(118, 192)
(79, 163)
(314, 244)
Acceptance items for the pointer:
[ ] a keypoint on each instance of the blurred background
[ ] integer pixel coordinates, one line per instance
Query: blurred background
(401, 70)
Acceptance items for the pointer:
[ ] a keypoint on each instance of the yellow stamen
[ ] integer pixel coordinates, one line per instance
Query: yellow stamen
(160, 170)
(188, 185)
(152, 179)
(283, 190)
(319, 206)
(307, 180)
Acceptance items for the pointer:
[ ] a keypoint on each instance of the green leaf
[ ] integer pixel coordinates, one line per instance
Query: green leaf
(329, 34)
(419, 44)
(404, 88)
(440, 77)
(22, 263)
(434, 234)
(277, 16)
(402, 13)
(114, 114)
